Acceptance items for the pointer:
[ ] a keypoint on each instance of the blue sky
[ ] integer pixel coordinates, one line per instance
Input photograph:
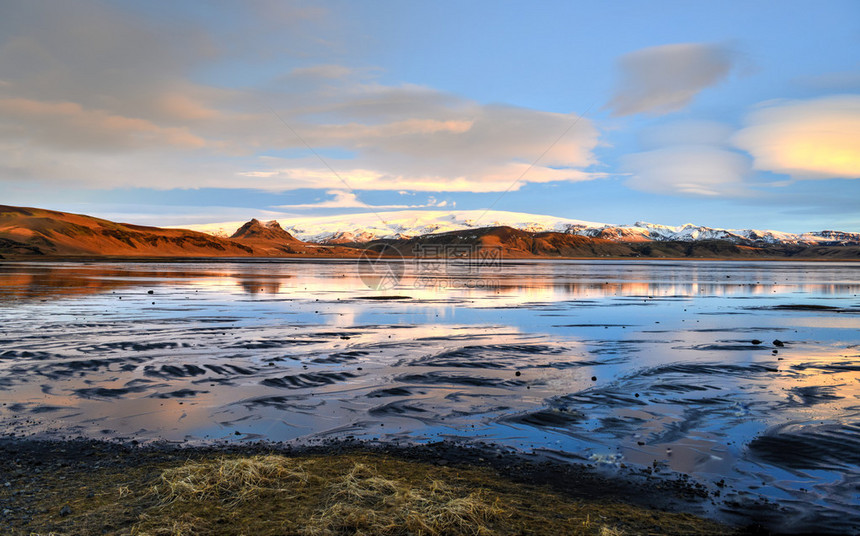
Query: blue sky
(727, 114)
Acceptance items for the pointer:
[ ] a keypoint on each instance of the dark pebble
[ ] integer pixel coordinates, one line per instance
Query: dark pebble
(778, 342)
(756, 341)
(518, 373)
(65, 510)
(594, 378)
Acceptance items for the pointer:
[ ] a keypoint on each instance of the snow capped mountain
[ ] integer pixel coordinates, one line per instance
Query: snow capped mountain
(405, 224)
(409, 223)
(643, 231)
(689, 232)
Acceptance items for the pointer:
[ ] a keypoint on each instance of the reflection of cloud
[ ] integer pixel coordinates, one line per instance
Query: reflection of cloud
(663, 79)
(688, 158)
(812, 139)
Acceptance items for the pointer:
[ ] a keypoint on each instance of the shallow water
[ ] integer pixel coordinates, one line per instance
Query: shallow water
(743, 372)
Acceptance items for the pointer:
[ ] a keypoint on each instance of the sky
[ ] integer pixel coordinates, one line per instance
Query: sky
(731, 114)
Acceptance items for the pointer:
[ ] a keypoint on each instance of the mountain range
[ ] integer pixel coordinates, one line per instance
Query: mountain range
(407, 224)
(33, 233)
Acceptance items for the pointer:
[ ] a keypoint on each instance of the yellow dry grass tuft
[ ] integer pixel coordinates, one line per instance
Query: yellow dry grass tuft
(230, 480)
(363, 503)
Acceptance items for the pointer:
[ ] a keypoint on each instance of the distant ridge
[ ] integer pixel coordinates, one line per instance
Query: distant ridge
(367, 227)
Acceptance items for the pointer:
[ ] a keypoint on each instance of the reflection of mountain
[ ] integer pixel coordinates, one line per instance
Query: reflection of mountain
(40, 281)
(260, 286)
(37, 232)
(516, 282)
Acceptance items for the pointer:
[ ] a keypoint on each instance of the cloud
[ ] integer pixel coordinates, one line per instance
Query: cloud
(493, 179)
(688, 158)
(689, 170)
(805, 139)
(69, 125)
(416, 138)
(666, 78)
(322, 71)
(344, 199)
(96, 96)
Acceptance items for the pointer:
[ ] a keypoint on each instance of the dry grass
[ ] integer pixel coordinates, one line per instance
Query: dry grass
(346, 494)
(230, 480)
(362, 502)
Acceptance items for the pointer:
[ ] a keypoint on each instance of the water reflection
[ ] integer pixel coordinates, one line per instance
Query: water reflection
(520, 280)
(666, 363)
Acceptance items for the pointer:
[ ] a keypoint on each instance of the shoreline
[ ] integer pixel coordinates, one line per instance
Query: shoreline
(68, 475)
(287, 258)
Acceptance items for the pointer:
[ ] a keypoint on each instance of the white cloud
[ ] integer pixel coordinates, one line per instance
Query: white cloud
(666, 78)
(805, 139)
(493, 179)
(688, 158)
(689, 170)
(345, 199)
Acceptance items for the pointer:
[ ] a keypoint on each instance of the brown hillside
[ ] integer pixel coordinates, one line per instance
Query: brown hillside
(40, 232)
(271, 231)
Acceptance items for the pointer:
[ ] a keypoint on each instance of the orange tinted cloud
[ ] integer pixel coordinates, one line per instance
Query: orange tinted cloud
(812, 139)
